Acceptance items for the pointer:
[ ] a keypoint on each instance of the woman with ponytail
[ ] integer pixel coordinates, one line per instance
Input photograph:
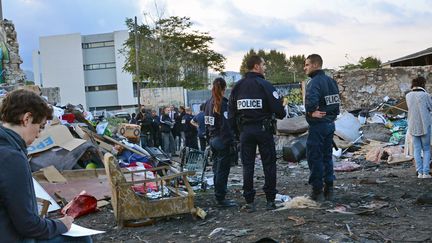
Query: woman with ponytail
(220, 139)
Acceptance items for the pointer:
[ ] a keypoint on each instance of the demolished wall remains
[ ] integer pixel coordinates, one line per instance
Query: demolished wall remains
(366, 88)
(12, 71)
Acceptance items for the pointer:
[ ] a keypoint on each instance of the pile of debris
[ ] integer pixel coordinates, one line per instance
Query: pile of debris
(78, 156)
(380, 133)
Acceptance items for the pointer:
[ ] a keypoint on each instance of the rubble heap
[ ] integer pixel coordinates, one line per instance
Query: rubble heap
(13, 73)
(366, 88)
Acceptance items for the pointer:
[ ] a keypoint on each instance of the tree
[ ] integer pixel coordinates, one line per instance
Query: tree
(296, 65)
(279, 69)
(369, 62)
(363, 63)
(171, 53)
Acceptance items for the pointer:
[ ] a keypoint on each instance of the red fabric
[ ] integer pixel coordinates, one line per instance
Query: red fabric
(81, 205)
(69, 117)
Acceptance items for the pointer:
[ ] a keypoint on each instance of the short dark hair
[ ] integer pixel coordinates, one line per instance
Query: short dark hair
(315, 59)
(418, 82)
(252, 61)
(19, 102)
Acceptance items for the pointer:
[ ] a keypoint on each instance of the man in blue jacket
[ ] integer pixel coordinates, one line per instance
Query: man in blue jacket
(322, 107)
(24, 114)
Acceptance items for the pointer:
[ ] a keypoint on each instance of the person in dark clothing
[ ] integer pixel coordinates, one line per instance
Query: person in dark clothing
(221, 140)
(24, 114)
(322, 107)
(190, 131)
(133, 119)
(156, 130)
(178, 132)
(198, 121)
(166, 125)
(254, 104)
(145, 121)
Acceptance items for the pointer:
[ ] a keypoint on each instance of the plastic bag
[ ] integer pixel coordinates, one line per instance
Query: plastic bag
(81, 205)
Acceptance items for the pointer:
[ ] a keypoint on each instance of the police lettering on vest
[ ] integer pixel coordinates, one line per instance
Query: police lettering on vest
(245, 104)
(332, 99)
(209, 120)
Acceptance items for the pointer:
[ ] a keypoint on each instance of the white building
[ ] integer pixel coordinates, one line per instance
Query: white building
(88, 69)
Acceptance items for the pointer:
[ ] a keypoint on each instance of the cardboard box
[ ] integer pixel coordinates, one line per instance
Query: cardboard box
(53, 136)
(130, 131)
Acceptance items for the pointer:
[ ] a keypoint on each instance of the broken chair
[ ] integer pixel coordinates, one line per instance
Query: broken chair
(128, 206)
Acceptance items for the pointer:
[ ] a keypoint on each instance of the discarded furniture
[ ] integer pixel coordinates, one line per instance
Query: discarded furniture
(129, 206)
(197, 161)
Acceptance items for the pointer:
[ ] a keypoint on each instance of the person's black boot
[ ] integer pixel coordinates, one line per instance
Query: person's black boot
(317, 195)
(328, 192)
(226, 203)
(270, 205)
(248, 207)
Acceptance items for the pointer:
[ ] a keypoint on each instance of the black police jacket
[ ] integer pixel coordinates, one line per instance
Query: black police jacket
(217, 124)
(189, 129)
(322, 93)
(254, 99)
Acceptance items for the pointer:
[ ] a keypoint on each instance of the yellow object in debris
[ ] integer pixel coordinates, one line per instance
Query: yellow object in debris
(389, 124)
(91, 166)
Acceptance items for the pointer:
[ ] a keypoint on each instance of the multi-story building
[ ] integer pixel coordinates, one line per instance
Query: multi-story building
(88, 69)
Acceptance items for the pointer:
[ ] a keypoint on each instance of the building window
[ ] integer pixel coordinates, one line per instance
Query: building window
(99, 66)
(101, 88)
(97, 44)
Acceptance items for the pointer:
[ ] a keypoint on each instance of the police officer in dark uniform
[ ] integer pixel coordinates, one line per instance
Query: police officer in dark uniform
(322, 107)
(190, 131)
(254, 104)
(221, 140)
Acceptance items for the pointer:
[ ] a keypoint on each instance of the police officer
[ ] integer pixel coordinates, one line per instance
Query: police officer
(221, 140)
(322, 106)
(253, 104)
(189, 130)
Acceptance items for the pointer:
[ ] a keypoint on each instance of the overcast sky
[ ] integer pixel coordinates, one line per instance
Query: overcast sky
(341, 31)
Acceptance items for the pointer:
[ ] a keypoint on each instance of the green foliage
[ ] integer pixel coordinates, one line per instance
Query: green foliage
(294, 97)
(171, 53)
(279, 68)
(296, 64)
(369, 62)
(113, 123)
(363, 63)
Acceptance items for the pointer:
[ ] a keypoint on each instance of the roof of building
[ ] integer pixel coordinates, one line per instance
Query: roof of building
(425, 52)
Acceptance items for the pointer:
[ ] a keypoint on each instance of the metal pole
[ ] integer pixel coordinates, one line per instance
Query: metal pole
(1, 10)
(137, 74)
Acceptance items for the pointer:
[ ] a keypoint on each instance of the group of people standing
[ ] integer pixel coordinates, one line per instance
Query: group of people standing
(172, 128)
(248, 118)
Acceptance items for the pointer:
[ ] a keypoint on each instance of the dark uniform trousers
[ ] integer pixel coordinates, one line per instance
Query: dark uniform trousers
(222, 157)
(251, 136)
(319, 154)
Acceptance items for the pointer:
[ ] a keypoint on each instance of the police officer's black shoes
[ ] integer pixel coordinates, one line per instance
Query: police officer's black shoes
(226, 203)
(328, 192)
(248, 207)
(270, 205)
(317, 195)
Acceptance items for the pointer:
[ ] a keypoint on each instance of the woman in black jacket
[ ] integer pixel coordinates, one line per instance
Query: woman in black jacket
(221, 140)
(166, 126)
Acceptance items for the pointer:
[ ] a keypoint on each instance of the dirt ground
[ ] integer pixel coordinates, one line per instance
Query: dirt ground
(380, 202)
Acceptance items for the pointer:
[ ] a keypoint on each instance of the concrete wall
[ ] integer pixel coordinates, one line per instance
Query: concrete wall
(158, 97)
(124, 80)
(53, 94)
(366, 88)
(62, 66)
